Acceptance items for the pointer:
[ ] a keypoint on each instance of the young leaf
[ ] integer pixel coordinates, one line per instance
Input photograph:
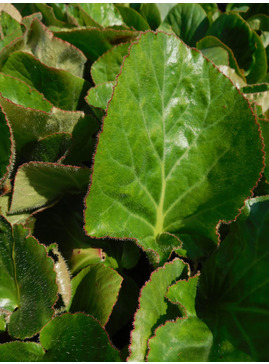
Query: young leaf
(18, 351)
(99, 95)
(168, 154)
(188, 21)
(27, 281)
(107, 67)
(37, 183)
(153, 308)
(95, 291)
(76, 337)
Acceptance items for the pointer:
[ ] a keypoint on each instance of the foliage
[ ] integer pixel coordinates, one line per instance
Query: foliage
(134, 182)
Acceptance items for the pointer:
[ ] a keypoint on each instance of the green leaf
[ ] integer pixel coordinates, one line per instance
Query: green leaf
(49, 15)
(264, 124)
(94, 42)
(132, 18)
(6, 148)
(30, 125)
(18, 351)
(107, 67)
(233, 288)
(95, 291)
(20, 218)
(153, 307)
(8, 24)
(209, 42)
(164, 9)
(37, 183)
(27, 281)
(152, 14)
(22, 94)
(216, 54)
(52, 51)
(81, 258)
(106, 15)
(99, 95)
(233, 76)
(188, 21)
(169, 157)
(58, 86)
(246, 45)
(259, 94)
(49, 149)
(87, 341)
(183, 340)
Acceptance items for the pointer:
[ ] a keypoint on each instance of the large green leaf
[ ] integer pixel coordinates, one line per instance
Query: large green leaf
(37, 183)
(53, 51)
(60, 87)
(169, 152)
(107, 67)
(153, 308)
(233, 290)
(76, 337)
(27, 281)
(94, 291)
(21, 351)
(6, 148)
(246, 45)
(188, 21)
(94, 42)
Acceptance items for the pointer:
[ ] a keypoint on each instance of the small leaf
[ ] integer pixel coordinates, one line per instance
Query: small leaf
(152, 14)
(37, 183)
(81, 258)
(18, 351)
(27, 281)
(86, 341)
(99, 95)
(107, 67)
(188, 21)
(153, 307)
(167, 159)
(51, 82)
(95, 291)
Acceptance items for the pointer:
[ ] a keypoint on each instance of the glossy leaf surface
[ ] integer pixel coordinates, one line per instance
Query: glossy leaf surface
(104, 14)
(153, 307)
(76, 337)
(37, 183)
(95, 290)
(166, 174)
(27, 281)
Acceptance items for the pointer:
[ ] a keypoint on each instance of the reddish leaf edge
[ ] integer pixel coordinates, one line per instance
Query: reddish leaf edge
(185, 317)
(40, 163)
(47, 256)
(152, 251)
(12, 157)
(140, 294)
